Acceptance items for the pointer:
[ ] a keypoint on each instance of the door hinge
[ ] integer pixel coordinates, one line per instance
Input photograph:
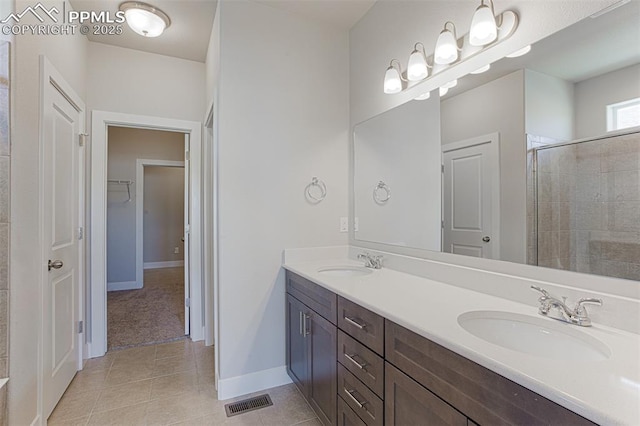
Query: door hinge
(442, 224)
(80, 233)
(187, 155)
(187, 229)
(187, 302)
(80, 327)
(82, 139)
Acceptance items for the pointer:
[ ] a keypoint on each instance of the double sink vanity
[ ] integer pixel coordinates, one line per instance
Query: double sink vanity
(371, 346)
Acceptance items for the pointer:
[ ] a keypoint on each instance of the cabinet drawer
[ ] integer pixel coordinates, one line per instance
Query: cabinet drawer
(362, 324)
(346, 416)
(360, 398)
(318, 298)
(479, 393)
(362, 362)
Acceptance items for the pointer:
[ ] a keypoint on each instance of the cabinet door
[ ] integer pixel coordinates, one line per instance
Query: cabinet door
(323, 373)
(297, 344)
(408, 403)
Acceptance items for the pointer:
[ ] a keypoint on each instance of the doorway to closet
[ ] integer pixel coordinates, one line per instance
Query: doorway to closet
(147, 258)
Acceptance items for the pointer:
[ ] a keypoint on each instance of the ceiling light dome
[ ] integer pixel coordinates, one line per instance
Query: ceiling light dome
(144, 19)
(483, 26)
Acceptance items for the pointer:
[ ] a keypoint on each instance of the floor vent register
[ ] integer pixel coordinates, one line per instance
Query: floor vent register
(246, 405)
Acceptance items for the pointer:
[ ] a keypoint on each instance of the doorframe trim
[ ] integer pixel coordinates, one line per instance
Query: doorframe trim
(100, 121)
(493, 139)
(141, 163)
(49, 75)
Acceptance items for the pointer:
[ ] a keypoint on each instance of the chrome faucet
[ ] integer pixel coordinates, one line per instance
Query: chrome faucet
(557, 309)
(371, 261)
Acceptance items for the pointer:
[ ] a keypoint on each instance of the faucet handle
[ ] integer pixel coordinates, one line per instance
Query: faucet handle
(581, 310)
(544, 292)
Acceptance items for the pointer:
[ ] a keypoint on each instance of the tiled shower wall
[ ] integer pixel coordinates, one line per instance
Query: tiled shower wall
(588, 207)
(4, 222)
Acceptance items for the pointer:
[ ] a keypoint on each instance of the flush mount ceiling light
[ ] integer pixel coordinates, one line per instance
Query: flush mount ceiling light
(418, 69)
(484, 29)
(487, 30)
(144, 19)
(446, 46)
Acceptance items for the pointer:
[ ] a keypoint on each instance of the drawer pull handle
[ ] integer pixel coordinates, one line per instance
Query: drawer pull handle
(355, 323)
(357, 364)
(358, 403)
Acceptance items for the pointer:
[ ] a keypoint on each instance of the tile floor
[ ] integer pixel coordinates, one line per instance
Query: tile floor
(165, 384)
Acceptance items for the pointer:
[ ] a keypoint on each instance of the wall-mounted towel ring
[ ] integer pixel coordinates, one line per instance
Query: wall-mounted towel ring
(123, 182)
(381, 193)
(319, 186)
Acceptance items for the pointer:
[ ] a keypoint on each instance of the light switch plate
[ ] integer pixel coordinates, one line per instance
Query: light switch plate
(344, 224)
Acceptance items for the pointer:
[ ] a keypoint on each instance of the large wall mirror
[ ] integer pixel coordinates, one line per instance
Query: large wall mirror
(536, 160)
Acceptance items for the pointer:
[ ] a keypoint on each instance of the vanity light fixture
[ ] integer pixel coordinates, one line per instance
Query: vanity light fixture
(487, 30)
(484, 29)
(144, 19)
(447, 46)
(520, 52)
(423, 97)
(482, 69)
(418, 68)
(393, 78)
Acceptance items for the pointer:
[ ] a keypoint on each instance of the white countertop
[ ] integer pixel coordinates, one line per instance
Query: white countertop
(606, 392)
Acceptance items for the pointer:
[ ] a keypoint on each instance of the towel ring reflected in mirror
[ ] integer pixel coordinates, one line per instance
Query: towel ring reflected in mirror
(319, 188)
(381, 193)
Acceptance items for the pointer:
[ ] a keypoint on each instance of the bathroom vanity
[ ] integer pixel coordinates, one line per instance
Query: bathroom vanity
(381, 347)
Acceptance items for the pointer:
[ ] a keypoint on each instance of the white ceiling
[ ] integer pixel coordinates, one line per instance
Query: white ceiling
(186, 38)
(191, 22)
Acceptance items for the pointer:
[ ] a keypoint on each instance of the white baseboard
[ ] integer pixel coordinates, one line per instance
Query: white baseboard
(254, 382)
(124, 285)
(167, 264)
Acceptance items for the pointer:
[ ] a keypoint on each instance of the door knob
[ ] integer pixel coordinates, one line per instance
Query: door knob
(56, 264)
(486, 239)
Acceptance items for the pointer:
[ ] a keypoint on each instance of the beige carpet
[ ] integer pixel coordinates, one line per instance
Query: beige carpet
(152, 314)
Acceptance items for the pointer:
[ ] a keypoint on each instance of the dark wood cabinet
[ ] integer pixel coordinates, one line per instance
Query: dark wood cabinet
(357, 368)
(322, 340)
(408, 403)
(311, 344)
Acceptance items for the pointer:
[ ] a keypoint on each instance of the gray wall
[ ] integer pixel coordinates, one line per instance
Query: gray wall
(163, 213)
(125, 147)
(497, 106)
(592, 97)
(549, 106)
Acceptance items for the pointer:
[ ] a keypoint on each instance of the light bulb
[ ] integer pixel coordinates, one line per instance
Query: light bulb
(392, 82)
(446, 48)
(483, 26)
(482, 69)
(417, 66)
(443, 91)
(422, 97)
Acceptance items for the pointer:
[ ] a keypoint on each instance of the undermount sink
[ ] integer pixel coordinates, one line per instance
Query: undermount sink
(541, 337)
(345, 271)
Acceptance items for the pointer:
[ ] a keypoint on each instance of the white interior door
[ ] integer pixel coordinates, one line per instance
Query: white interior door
(62, 123)
(471, 197)
(187, 232)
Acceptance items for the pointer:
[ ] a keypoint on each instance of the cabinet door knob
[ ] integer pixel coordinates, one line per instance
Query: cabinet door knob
(486, 239)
